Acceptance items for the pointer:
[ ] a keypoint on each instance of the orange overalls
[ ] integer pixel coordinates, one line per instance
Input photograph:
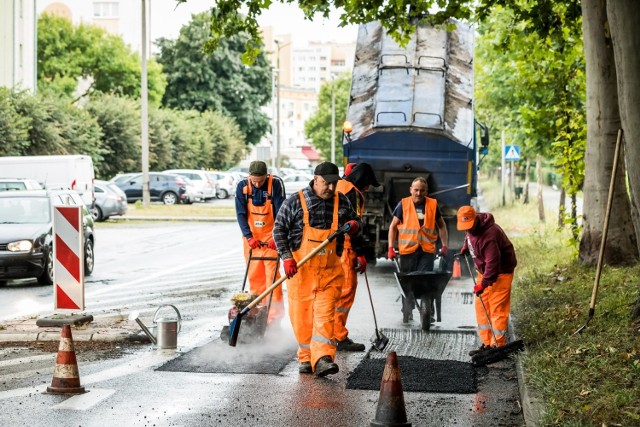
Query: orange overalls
(349, 256)
(497, 301)
(261, 273)
(314, 290)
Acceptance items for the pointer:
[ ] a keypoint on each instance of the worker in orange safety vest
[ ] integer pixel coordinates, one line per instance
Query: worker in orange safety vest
(358, 178)
(307, 219)
(417, 223)
(495, 259)
(258, 199)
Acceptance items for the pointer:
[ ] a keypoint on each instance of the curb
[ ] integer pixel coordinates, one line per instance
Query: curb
(532, 405)
(48, 336)
(173, 218)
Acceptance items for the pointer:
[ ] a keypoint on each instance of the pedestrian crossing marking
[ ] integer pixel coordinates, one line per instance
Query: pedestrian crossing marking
(512, 152)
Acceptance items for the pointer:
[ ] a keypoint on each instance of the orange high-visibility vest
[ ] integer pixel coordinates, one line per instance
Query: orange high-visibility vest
(411, 234)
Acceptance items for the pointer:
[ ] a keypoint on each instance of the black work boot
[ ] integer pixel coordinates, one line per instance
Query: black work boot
(305, 368)
(479, 350)
(348, 345)
(324, 367)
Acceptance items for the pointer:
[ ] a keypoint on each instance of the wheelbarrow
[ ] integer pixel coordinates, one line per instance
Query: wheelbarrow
(423, 289)
(257, 318)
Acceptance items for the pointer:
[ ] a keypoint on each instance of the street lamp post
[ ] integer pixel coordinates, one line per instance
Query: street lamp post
(144, 110)
(333, 122)
(279, 46)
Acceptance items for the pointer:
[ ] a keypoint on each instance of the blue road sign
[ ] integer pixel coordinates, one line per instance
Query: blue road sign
(512, 152)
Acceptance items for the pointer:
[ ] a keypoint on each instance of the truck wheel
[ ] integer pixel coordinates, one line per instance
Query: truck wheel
(46, 278)
(426, 309)
(169, 198)
(89, 258)
(96, 213)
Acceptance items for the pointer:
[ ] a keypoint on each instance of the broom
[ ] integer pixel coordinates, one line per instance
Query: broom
(494, 354)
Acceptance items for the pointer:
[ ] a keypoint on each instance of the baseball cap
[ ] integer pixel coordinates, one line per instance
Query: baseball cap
(328, 171)
(258, 168)
(466, 218)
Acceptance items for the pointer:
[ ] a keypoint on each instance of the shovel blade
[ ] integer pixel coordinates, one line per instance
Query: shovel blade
(234, 329)
(380, 342)
(497, 354)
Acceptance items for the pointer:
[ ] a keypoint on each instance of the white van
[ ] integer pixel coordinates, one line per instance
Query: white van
(73, 172)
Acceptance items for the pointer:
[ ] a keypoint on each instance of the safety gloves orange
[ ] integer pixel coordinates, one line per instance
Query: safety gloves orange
(361, 264)
(290, 267)
(253, 242)
(271, 244)
(353, 227)
(392, 253)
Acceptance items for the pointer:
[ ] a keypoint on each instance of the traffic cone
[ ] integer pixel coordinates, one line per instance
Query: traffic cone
(456, 269)
(66, 379)
(390, 411)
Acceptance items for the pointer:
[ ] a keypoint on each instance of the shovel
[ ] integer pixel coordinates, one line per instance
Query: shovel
(381, 340)
(234, 329)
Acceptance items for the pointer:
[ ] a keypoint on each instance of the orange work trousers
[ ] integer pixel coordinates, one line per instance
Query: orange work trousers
(497, 301)
(260, 276)
(348, 294)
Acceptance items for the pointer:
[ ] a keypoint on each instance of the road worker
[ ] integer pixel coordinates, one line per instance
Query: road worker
(357, 179)
(258, 200)
(417, 223)
(307, 218)
(495, 259)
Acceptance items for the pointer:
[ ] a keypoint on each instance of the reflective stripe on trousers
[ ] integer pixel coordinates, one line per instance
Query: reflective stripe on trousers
(497, 301)
(348, 294)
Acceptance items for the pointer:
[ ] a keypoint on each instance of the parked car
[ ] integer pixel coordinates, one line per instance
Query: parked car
(11, 184)
(121, 177)
(110, 200)
(26, 235)
(295, 182)
(205, 184)
(167, 188)
(226, 183)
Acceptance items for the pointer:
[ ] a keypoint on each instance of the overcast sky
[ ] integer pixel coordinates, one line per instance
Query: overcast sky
(167, 19)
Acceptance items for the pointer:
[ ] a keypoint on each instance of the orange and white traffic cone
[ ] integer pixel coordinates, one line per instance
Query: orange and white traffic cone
(390, 410)
(66, 379)
(457, 274)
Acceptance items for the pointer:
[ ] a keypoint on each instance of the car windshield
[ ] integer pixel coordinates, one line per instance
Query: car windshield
(24, 210)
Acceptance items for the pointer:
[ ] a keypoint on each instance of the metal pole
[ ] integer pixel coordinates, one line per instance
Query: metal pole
(333, 122)
(504, 172)
(144, 109)
(273, 114)
(278, 108)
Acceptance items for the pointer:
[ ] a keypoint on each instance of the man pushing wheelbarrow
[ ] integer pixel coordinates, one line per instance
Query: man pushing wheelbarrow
(416, 225)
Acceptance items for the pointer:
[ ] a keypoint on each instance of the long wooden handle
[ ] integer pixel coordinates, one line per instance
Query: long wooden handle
(607, 215)
(298, 265)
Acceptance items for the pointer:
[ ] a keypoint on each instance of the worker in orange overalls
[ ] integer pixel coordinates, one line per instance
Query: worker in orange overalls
(307, 218)
(258, 199)
(495, 259)
(417, 224)
(357, 179)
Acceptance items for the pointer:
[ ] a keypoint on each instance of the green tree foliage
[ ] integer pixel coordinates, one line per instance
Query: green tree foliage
(68, 54)
(14, 128)
(318, 128)
(218, 81)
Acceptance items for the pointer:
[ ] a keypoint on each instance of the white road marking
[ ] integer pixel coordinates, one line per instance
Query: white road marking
(82, 402)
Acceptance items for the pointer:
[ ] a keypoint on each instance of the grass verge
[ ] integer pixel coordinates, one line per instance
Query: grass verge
(193, 210)
(590, 379)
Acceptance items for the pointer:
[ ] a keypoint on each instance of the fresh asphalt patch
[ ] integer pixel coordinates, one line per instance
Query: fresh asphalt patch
(419, 375)
(268, 355)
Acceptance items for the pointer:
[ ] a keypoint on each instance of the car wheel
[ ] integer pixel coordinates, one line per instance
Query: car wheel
(46, 278)
(222, 194)
(89, 258)
(96, 213)
(169, 198)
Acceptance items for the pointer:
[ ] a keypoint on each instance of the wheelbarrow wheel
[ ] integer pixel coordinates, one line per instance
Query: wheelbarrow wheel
(426, 308)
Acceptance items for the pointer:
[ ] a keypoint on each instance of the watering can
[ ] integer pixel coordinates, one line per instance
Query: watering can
(166, 329)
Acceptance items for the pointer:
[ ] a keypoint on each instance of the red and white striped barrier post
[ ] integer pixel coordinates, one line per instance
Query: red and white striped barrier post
(68, 270)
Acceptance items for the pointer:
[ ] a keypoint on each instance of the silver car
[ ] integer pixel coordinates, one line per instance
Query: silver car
(205, 186)
(110, 201)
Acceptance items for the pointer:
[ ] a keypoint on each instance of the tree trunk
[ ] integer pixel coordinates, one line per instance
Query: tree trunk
(525, 190)
(561, 208)
(623, 24)
(539, 177)
(603, 122)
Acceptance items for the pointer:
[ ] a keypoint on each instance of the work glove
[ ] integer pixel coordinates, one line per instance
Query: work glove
(391, 254)
(290, 267)
(478, 289)
(271, 244)
(361, 264)
(353, 227)
(253, 242)
(444, 250)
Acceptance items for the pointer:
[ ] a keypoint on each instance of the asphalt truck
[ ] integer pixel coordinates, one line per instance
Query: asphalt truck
(411, 114)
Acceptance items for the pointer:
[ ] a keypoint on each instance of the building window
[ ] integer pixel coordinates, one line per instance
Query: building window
(105, 9)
